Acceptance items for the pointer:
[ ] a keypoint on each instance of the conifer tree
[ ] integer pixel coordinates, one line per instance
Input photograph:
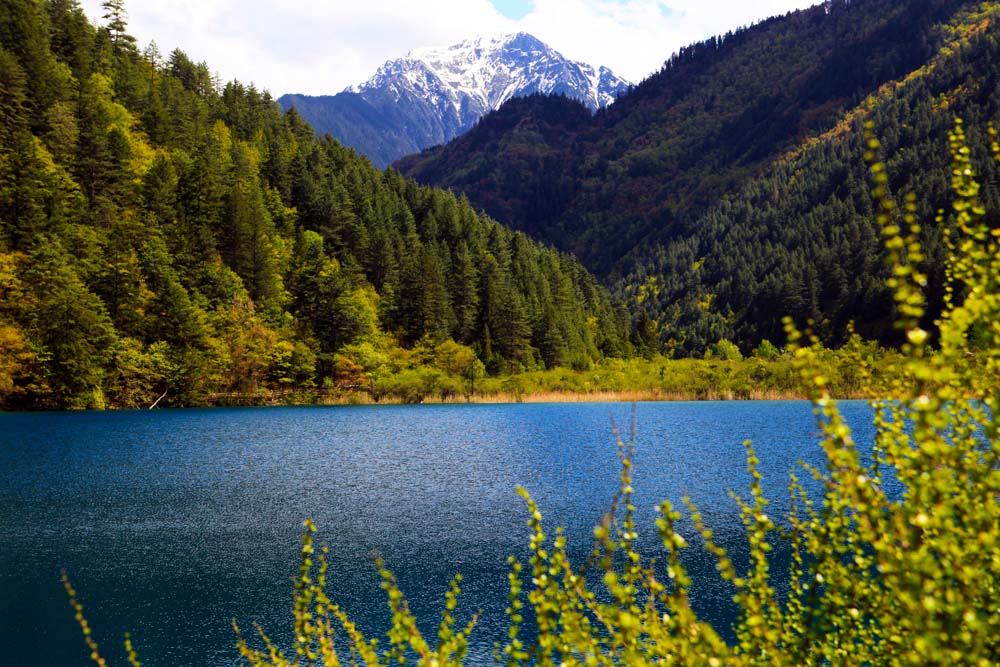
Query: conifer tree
(117, 24)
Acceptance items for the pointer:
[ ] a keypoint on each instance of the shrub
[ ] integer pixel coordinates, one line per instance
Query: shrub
(727, 351)
(766, 351)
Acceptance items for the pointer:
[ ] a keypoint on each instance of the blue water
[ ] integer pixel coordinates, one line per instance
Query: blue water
(173, 523)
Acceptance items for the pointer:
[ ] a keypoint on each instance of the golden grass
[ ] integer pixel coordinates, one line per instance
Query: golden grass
(488, 397)
(625, 396)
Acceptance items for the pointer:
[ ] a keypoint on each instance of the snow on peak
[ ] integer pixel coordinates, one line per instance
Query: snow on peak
(478, 75)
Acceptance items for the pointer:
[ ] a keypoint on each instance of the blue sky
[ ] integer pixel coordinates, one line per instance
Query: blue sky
(513, 9)
(323, 46)
(518, 9)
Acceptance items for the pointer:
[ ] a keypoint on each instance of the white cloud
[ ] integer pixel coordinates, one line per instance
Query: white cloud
(293, 46)
(635, 37)
(325, 45)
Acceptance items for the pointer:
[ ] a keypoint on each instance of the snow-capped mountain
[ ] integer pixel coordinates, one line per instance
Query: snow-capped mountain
(435, 94)
(487, 72)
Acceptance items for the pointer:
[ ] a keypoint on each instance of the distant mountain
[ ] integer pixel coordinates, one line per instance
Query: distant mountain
(729, 189)
(434, 95)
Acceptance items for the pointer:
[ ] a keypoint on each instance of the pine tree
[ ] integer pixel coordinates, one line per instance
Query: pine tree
(465, 278)
(70, 326)
(71, 36)
(117, 24)
(14, 101)
(247, 243)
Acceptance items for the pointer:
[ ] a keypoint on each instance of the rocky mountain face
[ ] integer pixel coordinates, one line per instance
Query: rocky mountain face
(433, 95)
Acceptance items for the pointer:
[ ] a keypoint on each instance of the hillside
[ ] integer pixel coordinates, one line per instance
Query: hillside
(433, 95)
(164, 236)
(731, 184)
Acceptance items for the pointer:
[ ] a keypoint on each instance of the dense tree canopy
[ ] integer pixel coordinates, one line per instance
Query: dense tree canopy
(161, 232)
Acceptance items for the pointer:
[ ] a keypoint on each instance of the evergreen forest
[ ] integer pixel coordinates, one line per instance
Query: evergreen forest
(170, 239)
(166, 238)
(729, 189)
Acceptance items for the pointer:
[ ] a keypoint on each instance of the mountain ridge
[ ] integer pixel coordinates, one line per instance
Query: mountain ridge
(433, 95)
(653, 187)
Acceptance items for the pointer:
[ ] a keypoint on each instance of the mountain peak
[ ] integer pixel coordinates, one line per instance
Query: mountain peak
(433, 94)
(478, 75)
(482, 44)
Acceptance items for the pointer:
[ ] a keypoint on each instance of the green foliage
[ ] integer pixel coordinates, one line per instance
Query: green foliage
(176, 235)
(114, 14)
(141, 375)
(727, 350)
(766, 350)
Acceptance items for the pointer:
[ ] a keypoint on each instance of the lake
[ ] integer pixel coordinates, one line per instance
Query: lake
(171, 523)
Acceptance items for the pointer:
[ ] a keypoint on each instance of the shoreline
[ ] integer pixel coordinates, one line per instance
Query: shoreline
(504, 398)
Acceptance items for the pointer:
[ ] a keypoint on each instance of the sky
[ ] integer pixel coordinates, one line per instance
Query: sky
(319, 47)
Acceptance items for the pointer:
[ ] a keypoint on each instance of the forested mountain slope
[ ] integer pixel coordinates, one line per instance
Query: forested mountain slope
(731, 185)
(164, 234)
(802, 239)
